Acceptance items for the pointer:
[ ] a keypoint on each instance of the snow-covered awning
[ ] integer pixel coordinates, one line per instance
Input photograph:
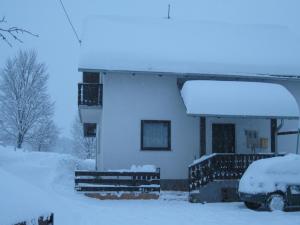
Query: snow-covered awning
(243, 99)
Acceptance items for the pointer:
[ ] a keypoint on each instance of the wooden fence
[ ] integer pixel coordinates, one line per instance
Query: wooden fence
(94, 181)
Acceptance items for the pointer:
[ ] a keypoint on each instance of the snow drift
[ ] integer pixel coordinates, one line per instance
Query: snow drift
(21, 201)
(30, 182)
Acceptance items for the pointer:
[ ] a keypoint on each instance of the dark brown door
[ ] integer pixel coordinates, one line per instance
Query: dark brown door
(223, 138)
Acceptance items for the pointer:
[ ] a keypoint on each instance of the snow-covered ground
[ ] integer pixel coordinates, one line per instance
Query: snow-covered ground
(51, 175)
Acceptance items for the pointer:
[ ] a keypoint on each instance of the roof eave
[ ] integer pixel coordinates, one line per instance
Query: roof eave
(243, 76)
(246, 116)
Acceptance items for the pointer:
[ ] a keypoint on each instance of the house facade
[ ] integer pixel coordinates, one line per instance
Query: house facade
(133, 102)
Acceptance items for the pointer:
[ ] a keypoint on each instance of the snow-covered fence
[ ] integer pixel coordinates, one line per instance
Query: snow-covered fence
(221, 167)
(115, 181)
(42, 220)
(89, 94)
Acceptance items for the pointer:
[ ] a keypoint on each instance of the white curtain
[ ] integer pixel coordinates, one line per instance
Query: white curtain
(155, 135)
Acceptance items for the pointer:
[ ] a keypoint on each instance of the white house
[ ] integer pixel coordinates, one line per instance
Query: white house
(166, 92)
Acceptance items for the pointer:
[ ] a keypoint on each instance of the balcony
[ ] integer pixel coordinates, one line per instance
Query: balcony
(90, 94)
(90, 102)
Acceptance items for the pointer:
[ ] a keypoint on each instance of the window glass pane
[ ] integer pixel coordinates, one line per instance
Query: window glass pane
(155, 135)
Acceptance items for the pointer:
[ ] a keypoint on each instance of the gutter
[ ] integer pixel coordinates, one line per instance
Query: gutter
(229, 76)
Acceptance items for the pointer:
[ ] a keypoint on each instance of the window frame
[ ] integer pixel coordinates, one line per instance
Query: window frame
(168, 148)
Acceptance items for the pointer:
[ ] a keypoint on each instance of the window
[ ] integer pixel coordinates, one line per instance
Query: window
(89, 129)
(155, 135)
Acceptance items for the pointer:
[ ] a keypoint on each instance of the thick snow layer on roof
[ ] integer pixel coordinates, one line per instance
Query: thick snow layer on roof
(185, 46)
(234, 98)
(269, 175)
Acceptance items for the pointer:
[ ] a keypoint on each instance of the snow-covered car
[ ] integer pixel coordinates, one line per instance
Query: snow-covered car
(273, 183)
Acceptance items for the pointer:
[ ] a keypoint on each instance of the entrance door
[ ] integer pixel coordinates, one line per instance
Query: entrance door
(223, 138)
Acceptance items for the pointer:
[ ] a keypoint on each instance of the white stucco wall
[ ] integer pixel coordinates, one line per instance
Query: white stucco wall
(129, 99)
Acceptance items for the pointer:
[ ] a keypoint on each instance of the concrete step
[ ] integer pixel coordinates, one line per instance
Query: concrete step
(216, 191)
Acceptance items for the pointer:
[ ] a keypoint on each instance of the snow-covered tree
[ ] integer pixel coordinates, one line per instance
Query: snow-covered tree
(84, 147)
(24, 101)
(45, 135)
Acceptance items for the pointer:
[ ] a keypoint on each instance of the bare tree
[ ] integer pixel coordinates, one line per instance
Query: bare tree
(84, 147)
(2, 135)
(45, 135)
(8, 32)
(24, 101)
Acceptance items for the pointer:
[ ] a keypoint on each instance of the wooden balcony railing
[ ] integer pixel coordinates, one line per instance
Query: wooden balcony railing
(221, 167)
(90, 94)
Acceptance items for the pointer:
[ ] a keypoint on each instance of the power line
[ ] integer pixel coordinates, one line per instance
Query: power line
(70, 22)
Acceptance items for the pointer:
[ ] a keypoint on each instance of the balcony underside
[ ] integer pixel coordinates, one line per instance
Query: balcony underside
(90, 102)
(89, 114)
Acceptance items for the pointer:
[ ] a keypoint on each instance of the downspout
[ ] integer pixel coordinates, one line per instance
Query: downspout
(97, 146)
(298, 134)
(297, 146)
(276, 136)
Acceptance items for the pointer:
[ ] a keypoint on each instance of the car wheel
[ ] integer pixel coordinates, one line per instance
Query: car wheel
(276, 202)
(252, 205)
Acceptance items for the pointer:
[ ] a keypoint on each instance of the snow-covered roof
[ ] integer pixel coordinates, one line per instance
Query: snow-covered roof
(235, 98)
(188, 47)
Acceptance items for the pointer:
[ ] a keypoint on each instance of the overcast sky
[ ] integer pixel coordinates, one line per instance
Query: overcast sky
(58, 48)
